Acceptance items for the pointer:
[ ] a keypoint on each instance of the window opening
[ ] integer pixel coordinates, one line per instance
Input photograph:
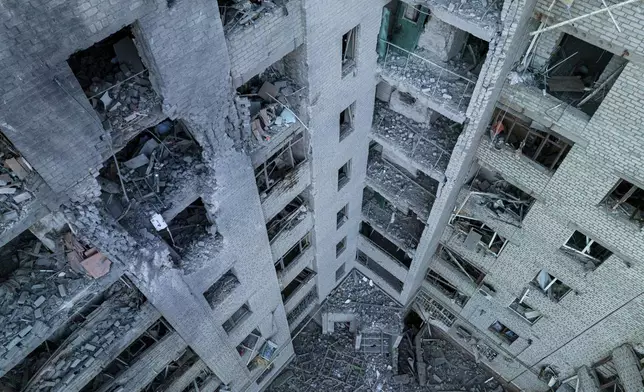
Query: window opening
(340, 247)
(288, 218)
(346, 121)
(300, 280)
(446, 287)
(339, 273)
(344, 174)
(221, 289)
(586, 250)
(342, 216)
(478, 233)
(382, 272)
(349, 50)
(386, 246)
(293, 254)
(411, 13)
(463, 266)
(237, 318)
(280, 165)
(505, 333)
(626, 200)
(525, 311)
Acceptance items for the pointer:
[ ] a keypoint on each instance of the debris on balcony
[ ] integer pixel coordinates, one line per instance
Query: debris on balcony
(428, 145)
(243, 13)
(151, 167)
(273, 103)
(117, 85)
(281, 165)
(16, 181)
(485, 14)
(38, 288)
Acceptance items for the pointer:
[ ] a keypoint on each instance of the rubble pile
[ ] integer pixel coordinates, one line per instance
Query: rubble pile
(448, 83)
(384, 175)
(406, 230)
(237, 14)
(484, 13)
(154, 165)
(502, 199)
(190, 225)
(15, 183)
(90, 340)
(428, 145)
(41, 290)
(373, 308)
(271, 107)
(117, 86)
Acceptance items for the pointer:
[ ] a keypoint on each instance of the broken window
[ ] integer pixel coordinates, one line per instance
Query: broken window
(117, 85)
(293, 254)
(300, 280)
(478, 234)
(500, 196)
(273, 100)
(524, 310)
(237, 318)
(411, 13)
(130, 355)
(221, 289)
(280, 165)
(340, 247)
(586, 250)
(463, 266)
(554, 288)
(344, 174)
(249, 344)
(188, 227)
(626, 200)
(386, 246)
(446, 287)
(151, 165)
(580, 73)
(342, 216)
(533, 141)
(346, 121)
(349, 50)
(14, 172)
(289, 217)
(339, 273)
(505, 333)
(379, 270)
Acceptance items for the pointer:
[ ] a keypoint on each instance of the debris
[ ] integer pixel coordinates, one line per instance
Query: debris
(22, 197)
(96, 265)
(39, 301)
(267, 91)
(7, 190)
(136, 162)
(158, 222)
(18, 167)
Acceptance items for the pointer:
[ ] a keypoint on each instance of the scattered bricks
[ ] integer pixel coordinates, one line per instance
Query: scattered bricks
(25, 331)
(13, 343)
(89, 347)
(39, 301)
(38, 313)
(23, 297)
(89, 361)
(62, 291)
(76, 362)
(22, 197)
(37, 286)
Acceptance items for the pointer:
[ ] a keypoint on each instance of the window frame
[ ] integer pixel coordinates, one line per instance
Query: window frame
(236, 319)
(343, 180)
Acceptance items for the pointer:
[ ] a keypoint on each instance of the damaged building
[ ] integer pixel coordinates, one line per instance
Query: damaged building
(289, 195)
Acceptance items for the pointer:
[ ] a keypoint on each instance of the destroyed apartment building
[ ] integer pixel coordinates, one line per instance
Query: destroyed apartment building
(288, 195)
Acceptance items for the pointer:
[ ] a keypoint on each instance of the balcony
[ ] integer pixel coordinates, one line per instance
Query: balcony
(378, 240)
(402, 230)
(479, 18)
(445, 290)
(426, 147)
(398, 188)
(257, 35)
(378, 255)
(446, 91)
(297, 289)
(106, 332)
(302, 309)
(474, 235)
(380, 275)
(283, 176)
(293, 261)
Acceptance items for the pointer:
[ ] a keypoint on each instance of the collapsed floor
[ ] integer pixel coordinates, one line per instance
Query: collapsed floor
(339, 361)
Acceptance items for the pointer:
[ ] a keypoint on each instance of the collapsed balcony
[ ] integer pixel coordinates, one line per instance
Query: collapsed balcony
(40, 289)
(478, 17)
(118, 86)
(477, 235)
(578, 73)
(18, 183)
(403, 230)
(447, 86)
(399, 187)
(446, 288)
(141, 361)
(272, 103)
(280, 167)
(238, 14)
(428, 147)
(491, 197)
(150, 171)
(533, 141)
(74, 358)
(385, 245)
(289, 217)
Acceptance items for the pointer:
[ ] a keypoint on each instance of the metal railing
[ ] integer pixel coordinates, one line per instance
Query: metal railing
(440, 78)
(420, 155)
